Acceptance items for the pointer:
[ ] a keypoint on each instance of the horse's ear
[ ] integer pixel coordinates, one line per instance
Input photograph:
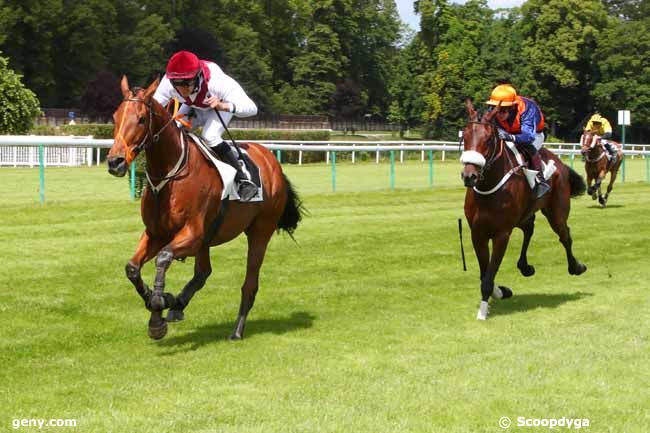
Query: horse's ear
(473, 116)
(152, 88)
(489, 115)
(124, 85)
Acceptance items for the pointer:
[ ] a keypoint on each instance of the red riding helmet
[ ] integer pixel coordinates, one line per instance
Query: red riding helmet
(183, 65)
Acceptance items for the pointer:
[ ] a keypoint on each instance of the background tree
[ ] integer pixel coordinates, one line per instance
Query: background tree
(102, 96)
(18, 105)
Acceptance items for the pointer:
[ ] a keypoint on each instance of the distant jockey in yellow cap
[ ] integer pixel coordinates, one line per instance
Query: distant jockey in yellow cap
(601, 126)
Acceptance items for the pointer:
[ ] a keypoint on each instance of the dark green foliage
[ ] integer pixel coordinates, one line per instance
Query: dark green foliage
(18, 105)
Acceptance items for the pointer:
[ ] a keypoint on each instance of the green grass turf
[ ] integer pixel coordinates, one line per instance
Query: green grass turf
(367, 324)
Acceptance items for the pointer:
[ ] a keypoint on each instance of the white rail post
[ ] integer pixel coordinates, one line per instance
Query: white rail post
(422, 156)
(401, 154)
(300, 155)
(327, 156)
(377, 154)
(353, 153)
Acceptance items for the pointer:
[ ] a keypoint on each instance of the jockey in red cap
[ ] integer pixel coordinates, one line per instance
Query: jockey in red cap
(203, 87)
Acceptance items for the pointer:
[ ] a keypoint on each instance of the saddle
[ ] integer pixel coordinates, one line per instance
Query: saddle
(227, 172)
(548, 168)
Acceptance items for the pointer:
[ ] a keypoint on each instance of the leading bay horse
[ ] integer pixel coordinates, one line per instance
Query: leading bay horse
(597, 165)
(182, 208)
(499, 198)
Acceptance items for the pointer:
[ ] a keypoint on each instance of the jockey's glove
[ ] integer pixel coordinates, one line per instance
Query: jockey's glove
(503, 135)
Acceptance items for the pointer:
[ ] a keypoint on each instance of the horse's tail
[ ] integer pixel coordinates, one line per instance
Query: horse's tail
(577, 183)
(293, 210)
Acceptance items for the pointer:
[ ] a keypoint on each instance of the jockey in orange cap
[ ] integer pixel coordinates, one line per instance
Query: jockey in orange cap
(202, 86)
(521, 121)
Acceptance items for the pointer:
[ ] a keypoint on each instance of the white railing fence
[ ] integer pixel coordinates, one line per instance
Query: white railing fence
(69, 151)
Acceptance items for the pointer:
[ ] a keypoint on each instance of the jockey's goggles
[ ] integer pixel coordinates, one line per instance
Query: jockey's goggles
(184, 82)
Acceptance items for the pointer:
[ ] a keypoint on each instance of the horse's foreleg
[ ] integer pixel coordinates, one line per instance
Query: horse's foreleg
(183, 244)
(202, 270)
(528, 227)
(499, 246)
(482, 250)
(258, 240)
(145, 251)
(591, 189)
(557, 217)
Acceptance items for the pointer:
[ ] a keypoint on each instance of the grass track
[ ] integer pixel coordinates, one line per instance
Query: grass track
(367, 325)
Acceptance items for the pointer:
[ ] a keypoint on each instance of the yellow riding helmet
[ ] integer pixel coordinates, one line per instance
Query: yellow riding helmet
(503, 94)
(597, 118)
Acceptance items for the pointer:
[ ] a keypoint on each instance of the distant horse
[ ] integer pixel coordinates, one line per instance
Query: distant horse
(183, 213)
(499, 198)
(597, 165)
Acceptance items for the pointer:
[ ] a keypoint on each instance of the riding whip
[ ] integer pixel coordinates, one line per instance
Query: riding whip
(462, 250)
(234, 143)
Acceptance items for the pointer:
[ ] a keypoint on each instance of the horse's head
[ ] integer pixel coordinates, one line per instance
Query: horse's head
(480, 140)
(588, 141)
(133, 126)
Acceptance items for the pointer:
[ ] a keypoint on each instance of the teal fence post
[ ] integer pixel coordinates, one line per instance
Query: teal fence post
(41, 173)
(278, 155)
(333, 158)
(392, 170)
(647, 168)
(132, 180)
(572, 158)
(431, 168)
(623, 164)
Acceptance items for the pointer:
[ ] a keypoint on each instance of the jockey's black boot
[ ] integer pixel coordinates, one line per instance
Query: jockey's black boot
(246, 189)
(542, 186)
(611, 151)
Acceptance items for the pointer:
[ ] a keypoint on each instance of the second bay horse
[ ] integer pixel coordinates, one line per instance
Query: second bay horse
(182, 207)
(597, 165)
(499, 198)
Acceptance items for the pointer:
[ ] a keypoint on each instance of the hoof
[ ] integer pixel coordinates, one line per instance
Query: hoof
(506, 292)
(235, 337)
(526, 270)
(158, 331)
(482, 311)
(578, 269)
(175, 316)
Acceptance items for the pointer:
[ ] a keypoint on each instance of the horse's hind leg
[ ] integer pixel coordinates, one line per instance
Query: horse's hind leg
(259, 236)
(528, 227)
(612, 179)
(202, 270)
(557, 217)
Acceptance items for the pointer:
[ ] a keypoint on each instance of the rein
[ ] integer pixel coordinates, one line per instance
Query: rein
(495, 156)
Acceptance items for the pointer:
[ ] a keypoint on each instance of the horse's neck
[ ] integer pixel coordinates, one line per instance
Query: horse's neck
(163, 155)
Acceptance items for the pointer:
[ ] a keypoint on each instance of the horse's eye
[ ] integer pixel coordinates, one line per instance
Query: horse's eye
(141, 120)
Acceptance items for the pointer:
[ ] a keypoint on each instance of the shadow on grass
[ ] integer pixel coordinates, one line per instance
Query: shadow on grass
(609, 206)
(522, 303)
(219, 332)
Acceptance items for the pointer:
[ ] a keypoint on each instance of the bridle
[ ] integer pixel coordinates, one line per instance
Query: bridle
(496, 148)
(145, 143)
(154, 137)
(595, 143)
